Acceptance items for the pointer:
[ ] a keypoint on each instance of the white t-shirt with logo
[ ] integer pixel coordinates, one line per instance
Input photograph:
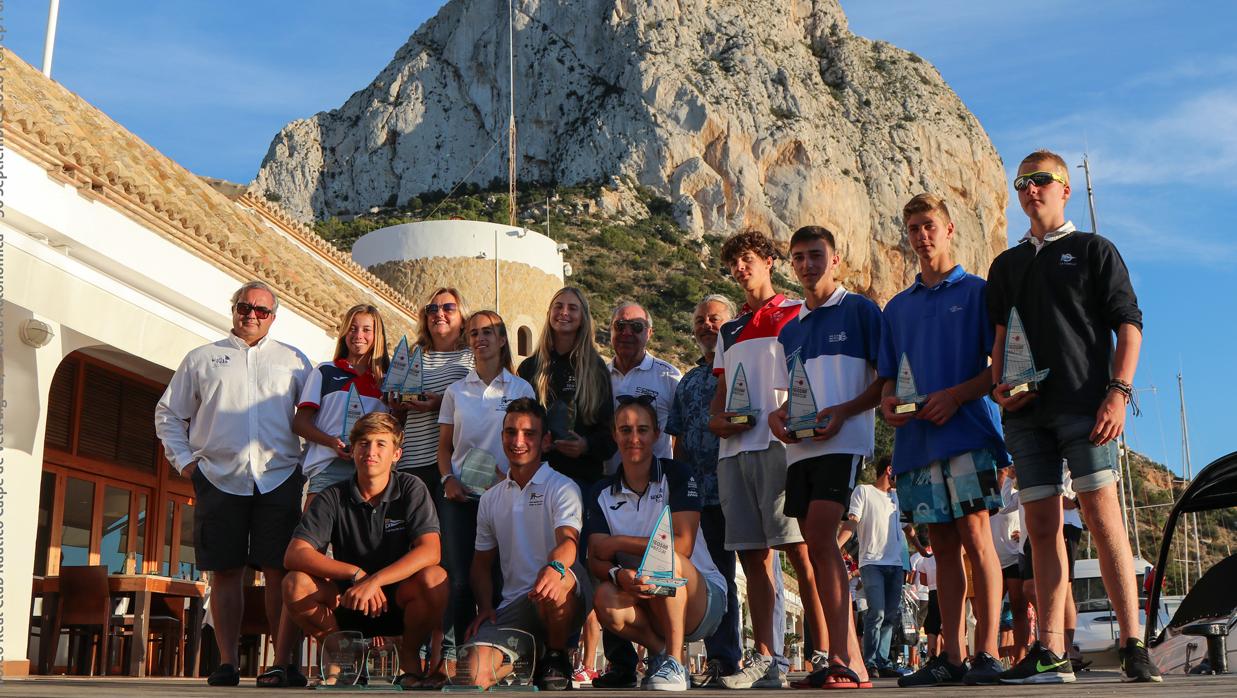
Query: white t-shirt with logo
(520, 522)
(879, 527)
(652, 377)
(476, 412)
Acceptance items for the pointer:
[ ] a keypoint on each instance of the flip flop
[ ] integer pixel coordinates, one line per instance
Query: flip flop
(275, 677)
(834, 676)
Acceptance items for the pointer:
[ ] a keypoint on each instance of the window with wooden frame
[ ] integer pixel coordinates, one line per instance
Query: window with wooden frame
(105, 480)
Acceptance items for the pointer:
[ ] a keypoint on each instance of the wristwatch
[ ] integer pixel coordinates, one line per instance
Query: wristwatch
(614, 574)
(557, 567)
(444, 478)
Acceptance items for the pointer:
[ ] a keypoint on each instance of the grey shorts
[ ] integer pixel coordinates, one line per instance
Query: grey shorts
(521, 615)
(713, 613)
(752, 490)
(1039, 444)
(337, 470)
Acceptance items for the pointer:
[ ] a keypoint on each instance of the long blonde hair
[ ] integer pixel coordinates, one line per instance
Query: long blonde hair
(500, 328)
(377, 356)
(423, 322)
(586, 363)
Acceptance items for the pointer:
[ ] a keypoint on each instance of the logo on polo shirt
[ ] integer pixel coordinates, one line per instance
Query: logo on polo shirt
(616, 507)
(955, 308)
(1068, 260)
(393, 525)
(839, 337)
(340, 378)
(536, 499)
(221, 360)
(656, 496)
(641, 390)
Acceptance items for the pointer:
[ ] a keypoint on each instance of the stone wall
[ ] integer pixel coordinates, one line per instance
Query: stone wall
(524, 292)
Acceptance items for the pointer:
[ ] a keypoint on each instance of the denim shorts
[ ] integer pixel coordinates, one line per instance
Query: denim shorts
(1039, 444)
(337, 470)
(713, 612)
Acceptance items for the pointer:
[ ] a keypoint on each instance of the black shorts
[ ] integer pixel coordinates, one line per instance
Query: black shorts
(1012, 571)
(830, 478)
(1072, 535)
(385, 625)
(932, 621)
(231, 530)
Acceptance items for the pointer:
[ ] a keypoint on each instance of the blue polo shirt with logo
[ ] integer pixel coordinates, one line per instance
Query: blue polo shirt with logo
(946, 335)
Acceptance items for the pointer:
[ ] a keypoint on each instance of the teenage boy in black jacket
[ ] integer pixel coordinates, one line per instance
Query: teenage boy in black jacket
(1073, 293)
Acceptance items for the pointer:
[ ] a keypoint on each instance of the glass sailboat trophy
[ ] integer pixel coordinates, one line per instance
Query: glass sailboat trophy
(802, 409)
(349, 661)
(414, 380)
(740, 401)
(502, 665)
(1019, 370)
(354, 409)
(909, 399)
(397, 371)
(478, 472)
(657, 566)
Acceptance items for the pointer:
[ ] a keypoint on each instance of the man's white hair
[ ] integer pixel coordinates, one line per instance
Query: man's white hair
(718, 298)
(631, 304)
(258, 285)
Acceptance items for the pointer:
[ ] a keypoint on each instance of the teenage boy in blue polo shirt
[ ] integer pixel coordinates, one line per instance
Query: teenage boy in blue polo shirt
(836, 334)
(946, 454)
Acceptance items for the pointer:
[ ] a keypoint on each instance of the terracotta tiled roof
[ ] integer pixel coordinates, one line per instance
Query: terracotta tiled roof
(248, 238)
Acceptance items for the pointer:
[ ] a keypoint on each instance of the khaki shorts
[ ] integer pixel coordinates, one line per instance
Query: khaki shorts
(752, 490)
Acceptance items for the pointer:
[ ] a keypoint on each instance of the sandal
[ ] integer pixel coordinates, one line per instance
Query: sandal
(275, 677)
(224, 675)
(832, 677)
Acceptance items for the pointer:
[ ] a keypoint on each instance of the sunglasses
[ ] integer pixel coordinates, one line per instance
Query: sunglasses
(1039, 179)
(446, 308)
(637, 399)
(259, 311)
(633, 326)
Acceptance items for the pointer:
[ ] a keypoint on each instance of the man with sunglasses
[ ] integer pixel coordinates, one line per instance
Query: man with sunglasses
(634, 371)
(1073, 293)
(225, 421)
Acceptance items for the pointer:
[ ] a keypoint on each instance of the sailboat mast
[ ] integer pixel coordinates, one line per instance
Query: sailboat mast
(1189, 474)
(1086, 169)
(511, 112)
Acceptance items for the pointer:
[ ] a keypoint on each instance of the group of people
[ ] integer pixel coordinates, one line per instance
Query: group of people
(587, 454)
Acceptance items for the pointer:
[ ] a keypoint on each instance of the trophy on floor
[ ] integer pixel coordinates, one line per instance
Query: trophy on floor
(1019, 370)
(354, 409)
(802, 410)
(382, 664)
(478, 472)
(909, 399)
(396, 372)
(506, 665)
(414, 380)
(658, 564)
(343, 656)
(740, 401)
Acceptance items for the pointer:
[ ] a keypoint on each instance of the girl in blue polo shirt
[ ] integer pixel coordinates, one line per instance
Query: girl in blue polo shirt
(360, 359)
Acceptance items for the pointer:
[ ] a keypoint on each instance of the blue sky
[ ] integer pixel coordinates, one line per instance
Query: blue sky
(1148, 89)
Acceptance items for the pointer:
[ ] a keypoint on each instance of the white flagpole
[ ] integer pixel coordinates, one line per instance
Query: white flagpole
(49, 42)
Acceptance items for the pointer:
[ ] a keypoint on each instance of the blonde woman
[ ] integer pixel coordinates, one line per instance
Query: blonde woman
(573, 383)
(360, 359)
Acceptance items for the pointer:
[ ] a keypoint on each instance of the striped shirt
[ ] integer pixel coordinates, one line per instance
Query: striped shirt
(420, 447)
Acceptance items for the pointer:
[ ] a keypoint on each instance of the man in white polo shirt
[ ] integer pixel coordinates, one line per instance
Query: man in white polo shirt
(635, 372)
(530, 523)
(225, 421)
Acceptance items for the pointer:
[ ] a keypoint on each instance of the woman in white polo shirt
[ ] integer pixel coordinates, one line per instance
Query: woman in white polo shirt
(621, 513)
(360, 359)
(470, 428)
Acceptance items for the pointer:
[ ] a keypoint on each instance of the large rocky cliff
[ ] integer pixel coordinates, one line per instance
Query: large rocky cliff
(743, 113)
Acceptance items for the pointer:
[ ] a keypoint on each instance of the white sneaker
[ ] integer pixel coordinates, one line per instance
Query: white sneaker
(753, 674)
(773, 678)
(670, 676)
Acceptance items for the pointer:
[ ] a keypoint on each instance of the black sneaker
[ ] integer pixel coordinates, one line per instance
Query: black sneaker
(937, 672)
(984, 671)
(1041, 665)
(1135, 664)
(710, 676)
(555, 672)
(616, 678)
